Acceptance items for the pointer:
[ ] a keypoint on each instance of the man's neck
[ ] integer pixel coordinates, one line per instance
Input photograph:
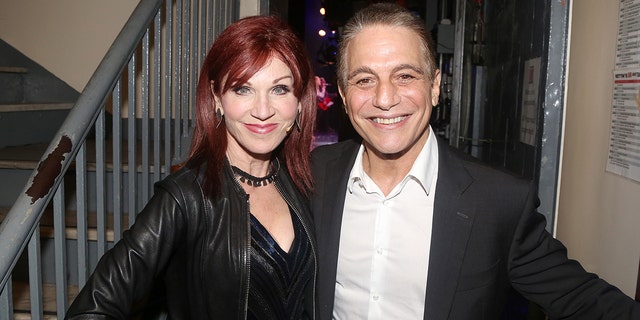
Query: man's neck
(388, 170)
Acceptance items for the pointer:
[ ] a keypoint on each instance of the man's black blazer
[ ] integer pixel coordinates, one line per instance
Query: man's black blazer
(487, 238)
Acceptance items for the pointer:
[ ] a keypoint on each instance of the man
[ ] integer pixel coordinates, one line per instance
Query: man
(408, 228)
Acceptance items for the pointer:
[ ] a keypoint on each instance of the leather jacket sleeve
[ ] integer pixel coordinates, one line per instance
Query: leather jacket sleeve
(126, 273)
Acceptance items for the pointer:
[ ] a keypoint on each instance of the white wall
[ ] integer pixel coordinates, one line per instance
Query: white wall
(251, 8)
(599, 212)
(70, 37)
(67, 37)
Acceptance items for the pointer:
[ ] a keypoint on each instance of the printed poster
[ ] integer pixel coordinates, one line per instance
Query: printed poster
(624, 138)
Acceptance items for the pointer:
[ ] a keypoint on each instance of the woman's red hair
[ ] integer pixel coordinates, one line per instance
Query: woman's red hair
(240, 51)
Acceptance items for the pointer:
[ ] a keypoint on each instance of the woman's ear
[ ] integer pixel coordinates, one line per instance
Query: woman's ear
(216, 99)
(213, 92)
(216, 102)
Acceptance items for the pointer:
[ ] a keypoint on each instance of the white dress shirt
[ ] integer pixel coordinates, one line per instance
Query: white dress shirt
(385, 242)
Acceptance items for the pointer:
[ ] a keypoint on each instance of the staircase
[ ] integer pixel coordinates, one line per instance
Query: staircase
(75, 168)
(33, 105)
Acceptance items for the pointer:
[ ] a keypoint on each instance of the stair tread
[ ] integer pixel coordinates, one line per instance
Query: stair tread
(27, 157)
(71, 230)
(21, 299)
(18, 107)
(22, 157)
(7, 69)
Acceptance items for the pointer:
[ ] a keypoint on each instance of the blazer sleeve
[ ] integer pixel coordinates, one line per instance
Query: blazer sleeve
(541, 271)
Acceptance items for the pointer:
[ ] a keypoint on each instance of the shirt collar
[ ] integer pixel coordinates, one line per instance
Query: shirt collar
(424, 169)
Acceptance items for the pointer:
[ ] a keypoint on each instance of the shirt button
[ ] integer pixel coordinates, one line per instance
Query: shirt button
(376, 297)
(379, 251)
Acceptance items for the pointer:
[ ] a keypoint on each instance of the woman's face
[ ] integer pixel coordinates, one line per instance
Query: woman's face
(259, 113)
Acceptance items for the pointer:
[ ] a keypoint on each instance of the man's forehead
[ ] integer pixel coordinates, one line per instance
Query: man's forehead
(386, 50)
(377, 40)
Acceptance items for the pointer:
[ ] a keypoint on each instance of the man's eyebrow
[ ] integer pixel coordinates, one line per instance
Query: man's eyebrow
(410, 67)
(363, 69)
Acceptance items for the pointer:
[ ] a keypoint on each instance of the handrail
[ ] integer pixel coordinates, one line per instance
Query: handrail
(151, 69)
(22, 218)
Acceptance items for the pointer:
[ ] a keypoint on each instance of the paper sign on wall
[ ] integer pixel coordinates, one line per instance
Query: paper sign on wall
(624, 137)
(529, 110)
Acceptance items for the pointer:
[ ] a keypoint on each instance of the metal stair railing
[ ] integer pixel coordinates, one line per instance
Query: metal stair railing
(145, 85)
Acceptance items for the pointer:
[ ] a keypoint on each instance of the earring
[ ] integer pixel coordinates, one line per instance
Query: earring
(219, 115)
(298, 124)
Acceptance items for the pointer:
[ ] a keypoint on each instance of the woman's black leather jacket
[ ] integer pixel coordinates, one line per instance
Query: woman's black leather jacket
(187, 253)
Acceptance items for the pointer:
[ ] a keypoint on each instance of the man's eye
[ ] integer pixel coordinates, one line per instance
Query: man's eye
(281, 90)
(405, 78)
(242, 90)
(364, 82)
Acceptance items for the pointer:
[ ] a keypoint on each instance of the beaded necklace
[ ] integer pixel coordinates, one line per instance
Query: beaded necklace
(254, 181)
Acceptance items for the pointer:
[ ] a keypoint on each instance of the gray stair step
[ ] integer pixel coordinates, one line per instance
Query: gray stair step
(27, 107)
(22, 301)
(26, 157)
(71, 230)
(27, 316)
(13, 69)
(22, 157)
(18, 121)
(21, 315)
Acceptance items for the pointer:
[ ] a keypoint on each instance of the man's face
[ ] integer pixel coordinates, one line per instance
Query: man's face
(388, 95)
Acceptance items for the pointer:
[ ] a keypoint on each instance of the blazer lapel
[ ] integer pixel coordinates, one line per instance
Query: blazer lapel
(328, 203)
(452, 221)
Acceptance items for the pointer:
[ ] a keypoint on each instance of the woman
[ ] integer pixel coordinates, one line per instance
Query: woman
(228, 235)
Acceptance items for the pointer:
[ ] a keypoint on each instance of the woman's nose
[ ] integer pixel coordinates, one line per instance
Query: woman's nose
(262, 109)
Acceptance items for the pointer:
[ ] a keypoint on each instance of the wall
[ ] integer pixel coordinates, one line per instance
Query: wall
(70, 37)
(599, 212)
(66, 37)
(252, 7)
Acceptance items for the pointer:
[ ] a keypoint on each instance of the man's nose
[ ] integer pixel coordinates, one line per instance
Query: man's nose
(386, 96)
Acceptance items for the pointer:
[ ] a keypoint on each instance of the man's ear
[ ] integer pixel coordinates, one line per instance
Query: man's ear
(344, 101)
(435, 88)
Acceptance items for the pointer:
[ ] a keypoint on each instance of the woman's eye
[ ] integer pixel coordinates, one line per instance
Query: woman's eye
(281, 90)
(242, 90)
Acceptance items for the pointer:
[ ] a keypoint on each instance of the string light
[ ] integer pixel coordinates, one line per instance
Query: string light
(322, 11)
(322, 33)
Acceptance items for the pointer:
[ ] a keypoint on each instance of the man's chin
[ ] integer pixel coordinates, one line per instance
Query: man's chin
(386, 151)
